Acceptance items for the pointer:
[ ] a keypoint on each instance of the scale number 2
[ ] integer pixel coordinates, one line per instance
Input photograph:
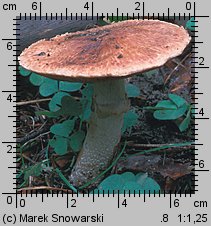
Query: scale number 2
(73, 202)
(9, 151)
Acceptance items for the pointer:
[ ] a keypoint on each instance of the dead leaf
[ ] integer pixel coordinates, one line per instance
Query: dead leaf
(139, 163)
(174, 170)
(154, 164)
(61, 161)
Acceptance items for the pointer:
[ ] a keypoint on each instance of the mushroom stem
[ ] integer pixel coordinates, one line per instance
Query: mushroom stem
(109, 105)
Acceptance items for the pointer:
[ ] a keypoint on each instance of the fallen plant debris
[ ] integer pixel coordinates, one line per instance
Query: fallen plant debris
(154, 164)
(43, 188)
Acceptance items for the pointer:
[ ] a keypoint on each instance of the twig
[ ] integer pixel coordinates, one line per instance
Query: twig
(44, 188)
(179, 64)
(34, 135)
(32, 101)
(163, 147)
(26, 157)
(155, 145)
(37, 101)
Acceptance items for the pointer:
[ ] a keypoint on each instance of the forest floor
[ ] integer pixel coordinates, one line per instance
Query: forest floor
(170, 167)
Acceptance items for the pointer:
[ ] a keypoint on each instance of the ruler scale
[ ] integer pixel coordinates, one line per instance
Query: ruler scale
(62, 207)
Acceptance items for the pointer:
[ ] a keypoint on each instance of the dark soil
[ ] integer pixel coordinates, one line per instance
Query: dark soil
(153, 87)
(149, 129)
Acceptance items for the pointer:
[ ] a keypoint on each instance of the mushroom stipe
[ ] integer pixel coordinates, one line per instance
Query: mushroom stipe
(105, 56)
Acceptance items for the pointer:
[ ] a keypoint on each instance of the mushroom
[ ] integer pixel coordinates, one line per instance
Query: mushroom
(105, 56)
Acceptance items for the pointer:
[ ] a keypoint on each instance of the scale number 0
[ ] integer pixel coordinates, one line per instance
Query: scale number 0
(20, 202)
(188, 5)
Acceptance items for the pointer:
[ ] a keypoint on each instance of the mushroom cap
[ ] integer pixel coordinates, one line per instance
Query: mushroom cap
(117, 50)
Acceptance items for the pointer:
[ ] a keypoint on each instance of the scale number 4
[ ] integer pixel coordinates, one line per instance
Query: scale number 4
(86, 6)
(9, 97)
(201, 112)
(124, 203)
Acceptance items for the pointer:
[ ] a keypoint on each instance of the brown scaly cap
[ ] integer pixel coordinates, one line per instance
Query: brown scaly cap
(118, 50)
